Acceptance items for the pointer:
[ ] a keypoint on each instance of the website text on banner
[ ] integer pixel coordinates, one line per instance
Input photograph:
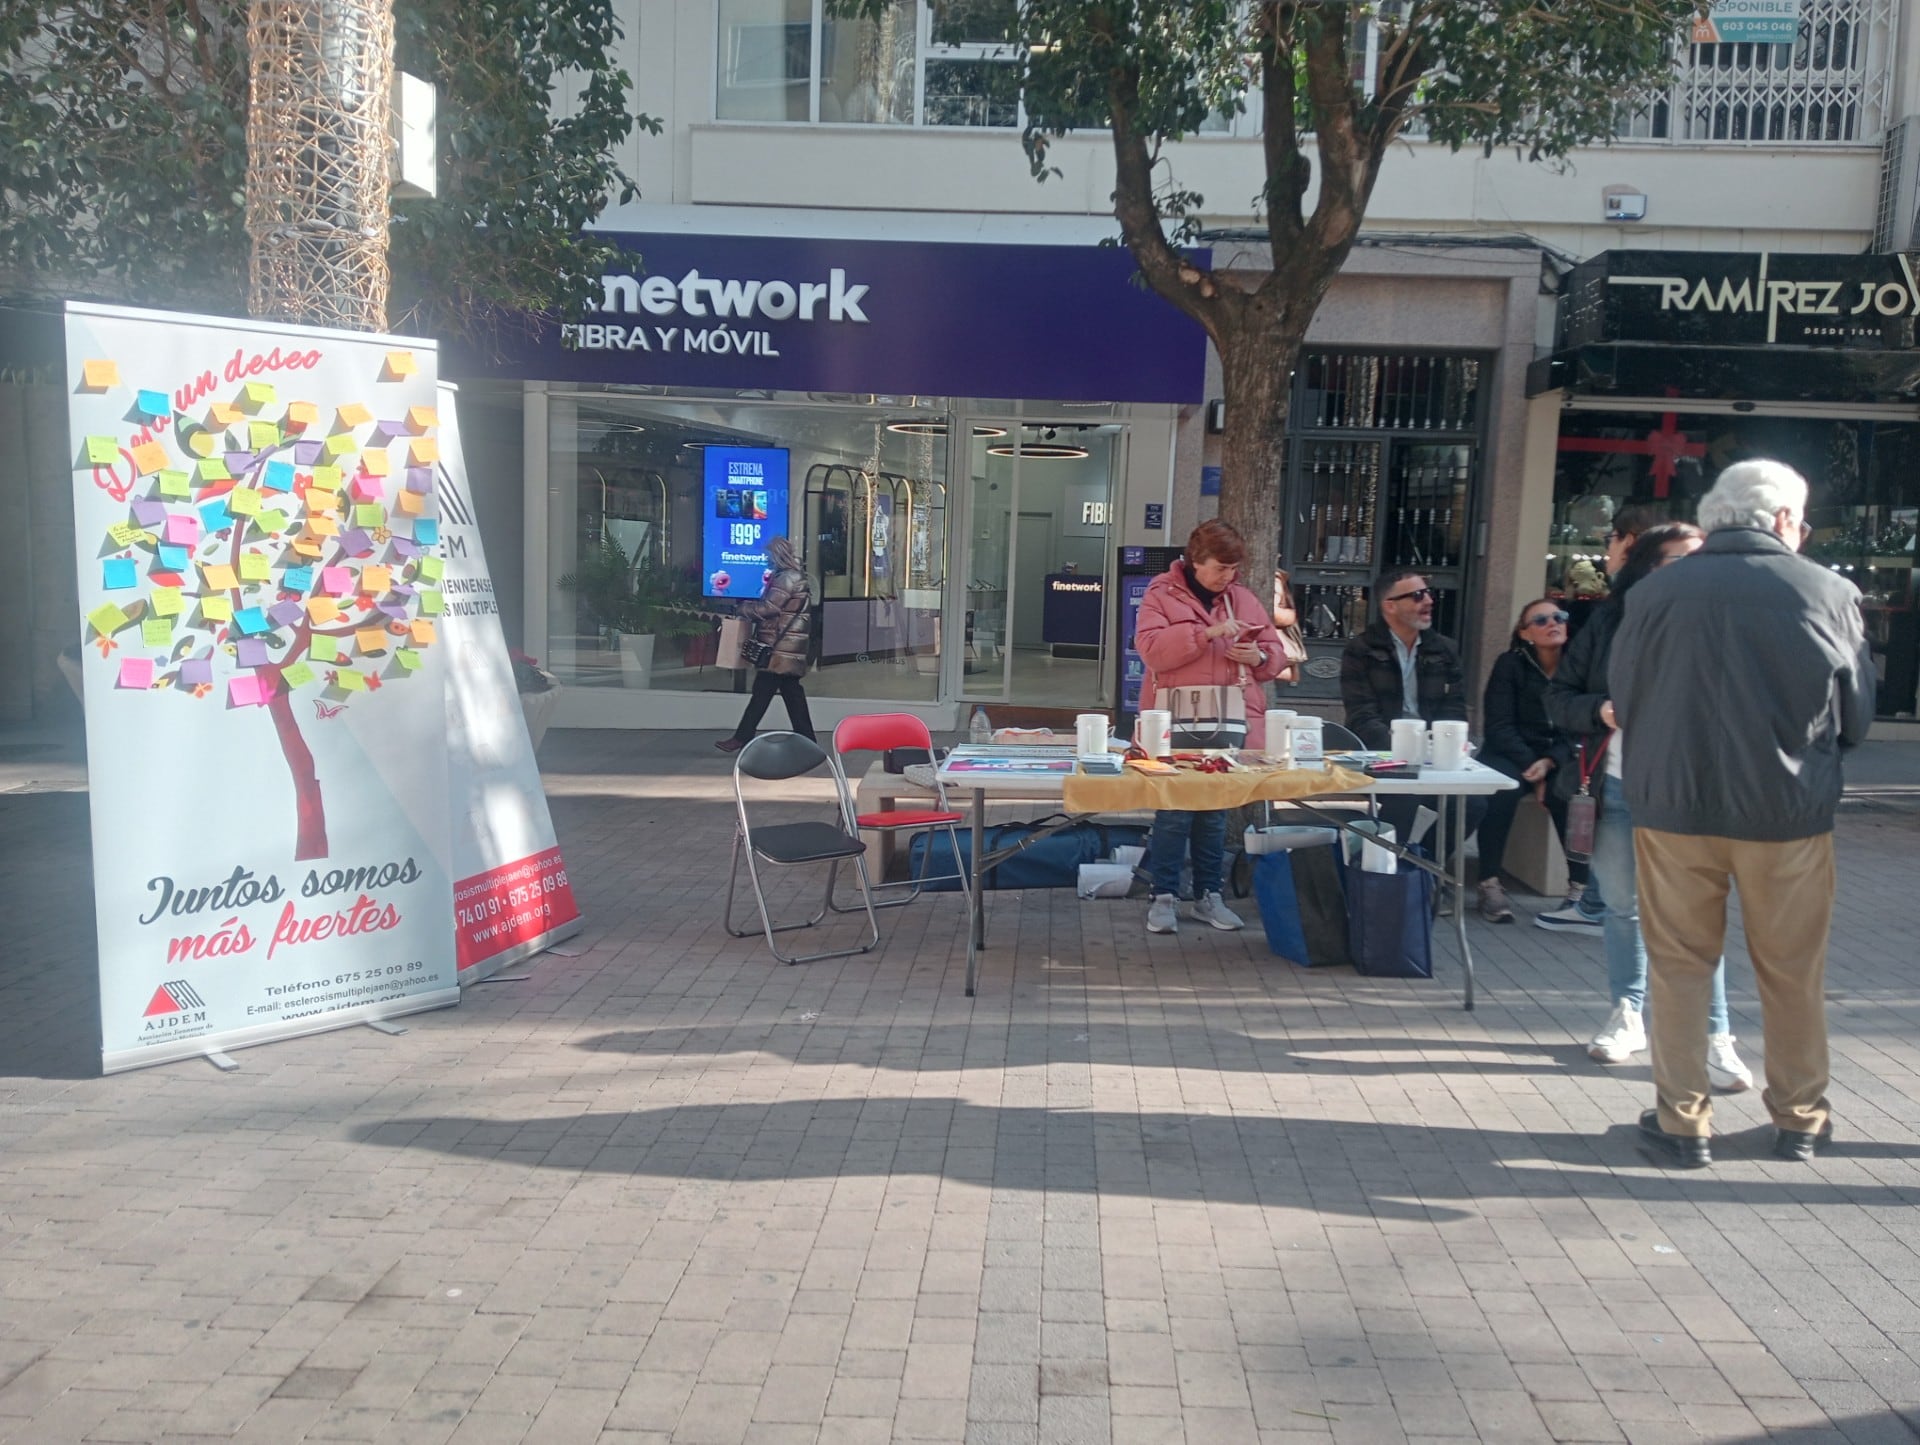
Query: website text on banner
(261, 580)
(511, 893)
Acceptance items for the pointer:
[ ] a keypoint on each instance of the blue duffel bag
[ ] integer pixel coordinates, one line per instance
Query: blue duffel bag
(1050, 862)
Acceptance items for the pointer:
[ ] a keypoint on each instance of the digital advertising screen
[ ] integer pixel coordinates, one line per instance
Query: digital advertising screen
(745, 495)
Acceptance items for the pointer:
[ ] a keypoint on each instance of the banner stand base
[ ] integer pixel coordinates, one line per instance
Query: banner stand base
(381, 1026)
(225, 1063)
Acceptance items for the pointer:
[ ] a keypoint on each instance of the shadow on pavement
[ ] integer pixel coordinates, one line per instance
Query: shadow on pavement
(1385, 1171)
(49, 974)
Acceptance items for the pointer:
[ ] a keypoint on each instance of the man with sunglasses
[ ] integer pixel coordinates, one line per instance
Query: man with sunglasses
(1400, 667)
(1750, 664)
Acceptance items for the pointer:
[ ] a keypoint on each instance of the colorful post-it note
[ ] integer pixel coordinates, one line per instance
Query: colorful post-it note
(272, 521)
(399, 364)
(412, 503)
(243, 501)
(322, 609)
(323, 526)
(422, 631)
(173, 482)
(376, 464)
(167, 601)
(251, 620)
(156, 632)
(99, 375)
(421, 418)
(307, 545)
(196, 672)
(118, 573)
(323, 648)
(366, 487)
(244, 690)
(432, 602)
(149, 512)
(369, 514)
(220, 576)
(223, 414)
(336, 446)
(297, 579)
(124, 534)
(298, 675)
(148, 458)
(408, 659)
(350, 681)
(371, 639)
(302, 414)
(423, 450)
(327, 478)
(354, 414)
(136, 673)
(254, 567)
(376, 580)
(337, 580)
(285, 614)
(256, 394)
(431, 568)
(108, 619)
(217, 609)
(152, 404)
(426, 531)
(215, 517)
(250, 652)
(214, 469)
(102, 451)
(277, 476)
(183, 529)
(173, 558)
(420, 479)
(263, 434)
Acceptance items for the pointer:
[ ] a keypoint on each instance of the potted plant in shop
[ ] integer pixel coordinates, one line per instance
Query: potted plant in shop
(634, 606)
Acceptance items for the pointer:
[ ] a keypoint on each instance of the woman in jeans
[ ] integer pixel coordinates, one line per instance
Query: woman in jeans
(1199, 627)
(1578, 702)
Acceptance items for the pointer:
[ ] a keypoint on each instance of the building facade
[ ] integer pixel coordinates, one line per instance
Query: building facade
(973, 426)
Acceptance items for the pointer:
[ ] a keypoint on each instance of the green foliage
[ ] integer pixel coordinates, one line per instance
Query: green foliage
(123, 155)
(619, 596)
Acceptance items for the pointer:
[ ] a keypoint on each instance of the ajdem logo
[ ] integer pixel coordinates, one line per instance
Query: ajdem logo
(175, 1005)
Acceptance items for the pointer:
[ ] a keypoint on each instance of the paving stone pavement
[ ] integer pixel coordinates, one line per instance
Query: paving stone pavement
(1138, 1190)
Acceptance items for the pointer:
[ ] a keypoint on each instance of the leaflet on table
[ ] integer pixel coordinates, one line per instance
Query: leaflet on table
(1006, 763)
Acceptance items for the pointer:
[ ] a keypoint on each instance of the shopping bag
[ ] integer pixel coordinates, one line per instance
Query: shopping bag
(733, 632)
(1390, 922)
(1302, 906)
(1207, 716)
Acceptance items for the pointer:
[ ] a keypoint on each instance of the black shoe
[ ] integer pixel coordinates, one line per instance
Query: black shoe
(729, 745)
(1682, 1151)
(1798, 1146)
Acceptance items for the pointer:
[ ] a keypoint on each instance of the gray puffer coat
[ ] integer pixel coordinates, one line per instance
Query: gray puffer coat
(787, 600)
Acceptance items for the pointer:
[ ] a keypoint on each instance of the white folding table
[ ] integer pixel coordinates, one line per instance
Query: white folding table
(1449, 789)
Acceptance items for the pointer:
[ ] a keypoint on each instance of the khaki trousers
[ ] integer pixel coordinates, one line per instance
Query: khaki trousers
(1786, 898)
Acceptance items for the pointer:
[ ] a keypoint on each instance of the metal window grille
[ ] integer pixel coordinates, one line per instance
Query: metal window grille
(1832, 86)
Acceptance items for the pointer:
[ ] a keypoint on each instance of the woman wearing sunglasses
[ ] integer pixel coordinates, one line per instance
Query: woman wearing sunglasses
(1522, 742)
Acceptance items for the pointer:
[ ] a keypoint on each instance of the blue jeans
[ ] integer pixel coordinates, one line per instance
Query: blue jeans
(1613, 870)
(1174, 833)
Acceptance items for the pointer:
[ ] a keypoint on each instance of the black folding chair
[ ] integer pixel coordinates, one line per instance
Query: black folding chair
(773, 758)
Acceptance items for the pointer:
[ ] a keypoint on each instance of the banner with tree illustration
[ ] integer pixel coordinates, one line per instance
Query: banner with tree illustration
(260, 598)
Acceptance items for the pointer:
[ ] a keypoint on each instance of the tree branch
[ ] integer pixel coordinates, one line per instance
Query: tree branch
(1346, 169)
(1288, 170)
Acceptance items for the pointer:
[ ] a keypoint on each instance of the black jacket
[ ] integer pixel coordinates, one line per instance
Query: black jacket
(1370, 683)
(1514, 713)
(1578, 688)
(1750, 665)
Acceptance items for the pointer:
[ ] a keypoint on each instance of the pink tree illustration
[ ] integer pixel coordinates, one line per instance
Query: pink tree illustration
(270, 556)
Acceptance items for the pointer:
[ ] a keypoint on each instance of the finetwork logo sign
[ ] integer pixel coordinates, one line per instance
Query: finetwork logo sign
(176, 1010)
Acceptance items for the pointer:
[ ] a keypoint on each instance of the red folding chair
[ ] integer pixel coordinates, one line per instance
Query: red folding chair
(877, 733)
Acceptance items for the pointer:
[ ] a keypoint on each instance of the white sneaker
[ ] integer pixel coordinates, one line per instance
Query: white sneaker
(1212, 908)
(1724, 1068)
(1162, 915)
(1620, 1038)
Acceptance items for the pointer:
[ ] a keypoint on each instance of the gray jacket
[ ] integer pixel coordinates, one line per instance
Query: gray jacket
(1746, 671)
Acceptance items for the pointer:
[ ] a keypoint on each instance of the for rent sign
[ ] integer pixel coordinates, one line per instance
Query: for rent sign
(1739, 22)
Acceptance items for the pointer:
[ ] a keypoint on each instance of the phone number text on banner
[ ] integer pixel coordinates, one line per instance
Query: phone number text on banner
(512, 904)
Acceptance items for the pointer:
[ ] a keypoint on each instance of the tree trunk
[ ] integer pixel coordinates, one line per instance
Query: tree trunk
(310, 839)
(1258, 367)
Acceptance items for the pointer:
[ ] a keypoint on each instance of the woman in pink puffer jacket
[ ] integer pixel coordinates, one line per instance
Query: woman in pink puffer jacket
(1198, 626)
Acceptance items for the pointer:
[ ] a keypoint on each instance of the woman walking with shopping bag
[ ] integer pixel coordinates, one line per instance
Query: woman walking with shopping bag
(777, 646)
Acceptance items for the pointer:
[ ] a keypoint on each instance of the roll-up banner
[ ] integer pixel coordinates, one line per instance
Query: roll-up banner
(262, 594)
(511, 895)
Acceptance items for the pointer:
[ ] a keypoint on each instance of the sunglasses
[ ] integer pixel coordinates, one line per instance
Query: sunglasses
(1419, 594)
(1545, 619)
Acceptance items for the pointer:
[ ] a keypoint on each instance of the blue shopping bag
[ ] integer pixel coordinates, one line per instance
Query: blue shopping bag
(1302, 905)
(1390, 922)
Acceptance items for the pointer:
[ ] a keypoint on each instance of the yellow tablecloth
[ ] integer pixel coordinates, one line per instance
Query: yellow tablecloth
(1194, 792)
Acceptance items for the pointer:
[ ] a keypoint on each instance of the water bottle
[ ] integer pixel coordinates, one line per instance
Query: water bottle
(979, 730)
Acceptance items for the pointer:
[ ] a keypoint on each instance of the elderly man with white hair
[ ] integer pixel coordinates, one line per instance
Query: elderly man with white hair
(1750, 664)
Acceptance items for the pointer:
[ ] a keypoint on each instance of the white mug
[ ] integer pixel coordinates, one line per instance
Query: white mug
(1090, 734)
(1449, 746)
(1280, 735)
(1409, 740)
(1156, 732)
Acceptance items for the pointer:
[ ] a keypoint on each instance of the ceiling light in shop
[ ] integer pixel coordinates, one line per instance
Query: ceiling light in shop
(939, 429)
(1039, 451)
